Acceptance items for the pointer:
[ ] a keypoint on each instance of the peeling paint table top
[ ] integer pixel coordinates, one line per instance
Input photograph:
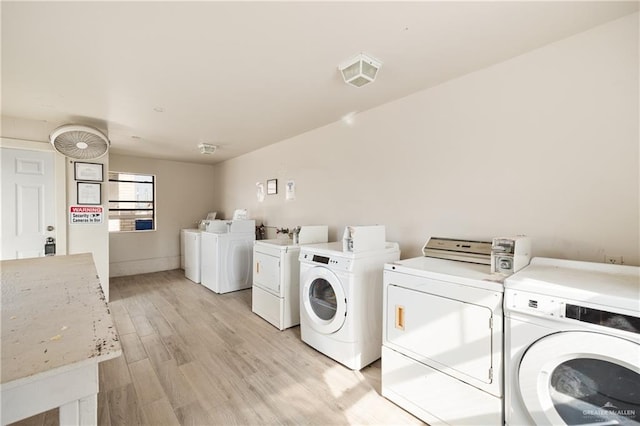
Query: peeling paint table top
(55, 319)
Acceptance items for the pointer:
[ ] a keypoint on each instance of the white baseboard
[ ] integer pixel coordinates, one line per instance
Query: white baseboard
(144, 266)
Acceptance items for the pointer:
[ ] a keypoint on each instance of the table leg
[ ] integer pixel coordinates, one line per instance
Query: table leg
(82, 412)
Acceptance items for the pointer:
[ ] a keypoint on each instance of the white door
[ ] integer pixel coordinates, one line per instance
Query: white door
(455, 334)
(581, 378)
(28, 202)
(323, 300)
(266, 272)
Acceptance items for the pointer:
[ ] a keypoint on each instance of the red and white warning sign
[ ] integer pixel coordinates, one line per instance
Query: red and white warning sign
(85, 214)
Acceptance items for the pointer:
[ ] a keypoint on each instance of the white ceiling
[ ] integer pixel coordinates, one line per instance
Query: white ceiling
(242, 75)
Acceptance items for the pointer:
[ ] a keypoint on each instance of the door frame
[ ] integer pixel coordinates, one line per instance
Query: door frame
(60, 192)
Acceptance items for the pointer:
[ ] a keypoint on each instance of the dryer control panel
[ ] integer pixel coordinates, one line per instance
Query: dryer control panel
(335, 263)
(534, 304)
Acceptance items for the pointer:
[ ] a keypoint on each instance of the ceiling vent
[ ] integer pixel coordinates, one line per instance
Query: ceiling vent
(207, 149)
(79, 142)
(360, 71)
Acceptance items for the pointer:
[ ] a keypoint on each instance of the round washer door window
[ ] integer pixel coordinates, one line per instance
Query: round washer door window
(323, 300)
(581, 378)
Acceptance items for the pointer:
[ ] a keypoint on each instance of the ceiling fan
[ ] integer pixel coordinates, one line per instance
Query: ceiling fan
(79, 142)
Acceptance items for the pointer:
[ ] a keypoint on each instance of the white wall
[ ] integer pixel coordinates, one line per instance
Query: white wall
(184, 195)
(90, 238)
(545, 144)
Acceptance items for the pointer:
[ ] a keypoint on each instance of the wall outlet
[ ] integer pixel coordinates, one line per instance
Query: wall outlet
(614, 260)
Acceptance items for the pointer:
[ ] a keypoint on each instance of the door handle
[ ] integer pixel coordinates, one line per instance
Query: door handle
(257, 267)
(400, 317)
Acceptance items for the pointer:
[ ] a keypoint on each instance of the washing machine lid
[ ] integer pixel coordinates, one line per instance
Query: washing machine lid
(615, 286)
(579, 377)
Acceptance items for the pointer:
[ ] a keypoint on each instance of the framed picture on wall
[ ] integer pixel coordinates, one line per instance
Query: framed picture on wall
(272, 186)
(88, 172)
(89, 193)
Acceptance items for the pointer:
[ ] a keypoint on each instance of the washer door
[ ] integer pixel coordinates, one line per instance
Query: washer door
(323, 299)
(581, 378)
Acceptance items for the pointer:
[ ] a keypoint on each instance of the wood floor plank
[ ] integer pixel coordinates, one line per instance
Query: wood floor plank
(208, 390)
(160, 413)
(124, 407)
(104, 417)
(142, 325)
(52, 418)
(193, 415)
(124, 324)
(176, 387)
(114, 373)
(132, 347)
(145, 381)
(155, 349)
(177, 348)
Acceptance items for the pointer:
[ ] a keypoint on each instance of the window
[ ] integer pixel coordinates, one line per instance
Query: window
(131, 202)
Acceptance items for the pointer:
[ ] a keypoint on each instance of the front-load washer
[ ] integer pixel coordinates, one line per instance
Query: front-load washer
(191, 239)
(275, 295)
(572, 344)
(227, 249)
(341, 301)
(442, 340)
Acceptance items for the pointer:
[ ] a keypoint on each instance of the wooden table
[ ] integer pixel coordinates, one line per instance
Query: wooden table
(56, 328)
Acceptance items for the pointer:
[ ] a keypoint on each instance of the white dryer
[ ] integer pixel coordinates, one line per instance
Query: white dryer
(572, 342)
(341, 301)
(275, 295)
(226, 251)
(442, 340)
(191, 243)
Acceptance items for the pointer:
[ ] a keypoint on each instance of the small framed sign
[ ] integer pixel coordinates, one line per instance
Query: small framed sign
(272, 186)
(89, 193)
(88, 171)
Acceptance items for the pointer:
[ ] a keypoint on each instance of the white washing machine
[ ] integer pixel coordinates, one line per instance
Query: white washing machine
(226, 255)
(341, 301)
(191, 239)
(572, 344)
(442, 339)
(275, 295)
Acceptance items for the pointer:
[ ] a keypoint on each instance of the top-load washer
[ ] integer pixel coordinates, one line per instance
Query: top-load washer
(226, 255)
(442, 334)
(341, 301)
(275, 295)
(572, 344)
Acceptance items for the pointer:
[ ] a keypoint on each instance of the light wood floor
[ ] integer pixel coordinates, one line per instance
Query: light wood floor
(193, 357)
